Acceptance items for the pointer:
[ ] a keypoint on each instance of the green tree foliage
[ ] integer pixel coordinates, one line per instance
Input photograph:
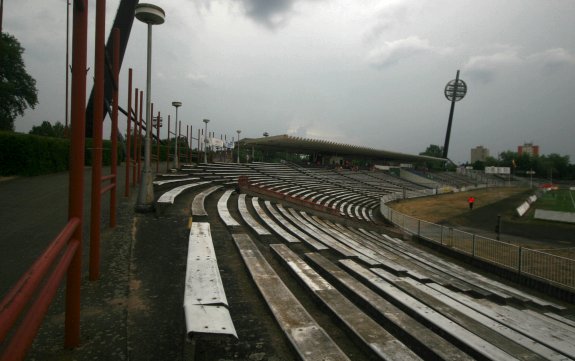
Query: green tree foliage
(17, 88)
(433, 151)
(436, 151)
(48, 130)
(546, 166)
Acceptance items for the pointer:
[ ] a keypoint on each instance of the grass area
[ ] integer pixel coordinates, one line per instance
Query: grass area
(562, 200)
(444, 207)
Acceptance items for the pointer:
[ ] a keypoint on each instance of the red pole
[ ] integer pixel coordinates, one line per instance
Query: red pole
(114, 135)
(168, 150)
(128, 135)
(158, 143)
(137, 133)
(76, 180)
(140, 137)
(95, 210)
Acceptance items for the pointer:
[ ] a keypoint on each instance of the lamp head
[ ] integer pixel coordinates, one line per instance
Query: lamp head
(150, 14)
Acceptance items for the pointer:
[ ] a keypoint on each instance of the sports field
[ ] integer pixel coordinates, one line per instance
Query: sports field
(562, 200)
(443, 208)
(452, 209)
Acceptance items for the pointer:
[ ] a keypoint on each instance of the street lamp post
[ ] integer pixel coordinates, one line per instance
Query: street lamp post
(151, 15)
(206, 141)
(238, 131)
(176, 156)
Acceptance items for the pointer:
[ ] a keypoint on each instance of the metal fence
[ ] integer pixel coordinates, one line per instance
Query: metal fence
(556, 270)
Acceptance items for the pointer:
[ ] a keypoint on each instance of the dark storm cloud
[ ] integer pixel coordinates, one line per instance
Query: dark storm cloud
(270, 13)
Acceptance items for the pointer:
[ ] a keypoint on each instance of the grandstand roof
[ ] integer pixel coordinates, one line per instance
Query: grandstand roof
(304, 145)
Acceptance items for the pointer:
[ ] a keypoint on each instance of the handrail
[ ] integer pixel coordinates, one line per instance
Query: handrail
(16, 300)
(516, 258)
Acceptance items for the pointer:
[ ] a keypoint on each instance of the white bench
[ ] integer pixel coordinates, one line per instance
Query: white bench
(307, 337)
(198, 207)
(169, 196)
(288, 237)
(205, 303)
(223, 210)
(242, 207)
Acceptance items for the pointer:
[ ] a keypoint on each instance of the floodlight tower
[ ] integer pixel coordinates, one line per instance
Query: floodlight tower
(454, 91)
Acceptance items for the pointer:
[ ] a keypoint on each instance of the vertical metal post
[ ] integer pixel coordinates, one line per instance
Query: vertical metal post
(140, 137)
(158, 143)
(238, 131)
(66, 129)
(178, 138)
(206, 142)
(146, 195)
(137, 132)
(128, 135)
(168, 147)
(114, 135)
(520, 260)
(176, 155)
(188, 141)
(473, 251)
(76, 180)
(199, 150)
(96, 199)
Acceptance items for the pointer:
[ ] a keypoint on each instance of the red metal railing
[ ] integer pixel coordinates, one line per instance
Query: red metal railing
(245, 184)
(49, 268)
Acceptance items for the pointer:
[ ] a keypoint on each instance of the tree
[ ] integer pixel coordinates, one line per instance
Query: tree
(17, 88)
(434, 151)
(48, 130)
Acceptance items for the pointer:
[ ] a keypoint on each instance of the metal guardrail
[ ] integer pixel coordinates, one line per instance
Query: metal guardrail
(30, 297)
(547, 267)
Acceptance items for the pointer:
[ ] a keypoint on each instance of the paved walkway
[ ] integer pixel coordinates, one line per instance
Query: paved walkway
(133, 311)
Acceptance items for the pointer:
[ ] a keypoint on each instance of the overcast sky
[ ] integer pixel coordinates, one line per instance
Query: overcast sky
(369, 72)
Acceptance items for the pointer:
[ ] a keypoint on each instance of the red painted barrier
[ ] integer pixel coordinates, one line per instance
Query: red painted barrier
(114, 132)
(47, 267)
(245, 184)
(128, 135)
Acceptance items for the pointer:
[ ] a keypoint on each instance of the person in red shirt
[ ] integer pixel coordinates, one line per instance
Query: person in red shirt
(471, 200)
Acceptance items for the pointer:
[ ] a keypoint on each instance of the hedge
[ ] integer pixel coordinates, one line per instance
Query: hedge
(30, 155)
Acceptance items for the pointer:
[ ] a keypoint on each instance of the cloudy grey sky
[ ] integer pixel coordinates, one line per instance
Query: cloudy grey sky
(368, 72)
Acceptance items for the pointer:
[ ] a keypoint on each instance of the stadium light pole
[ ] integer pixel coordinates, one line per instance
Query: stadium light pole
(239, 131)
(176, 156)
(206, 141)
(150, 15)
(454, 91)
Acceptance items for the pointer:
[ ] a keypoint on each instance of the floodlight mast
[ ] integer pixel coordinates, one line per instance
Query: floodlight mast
(454, 91)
